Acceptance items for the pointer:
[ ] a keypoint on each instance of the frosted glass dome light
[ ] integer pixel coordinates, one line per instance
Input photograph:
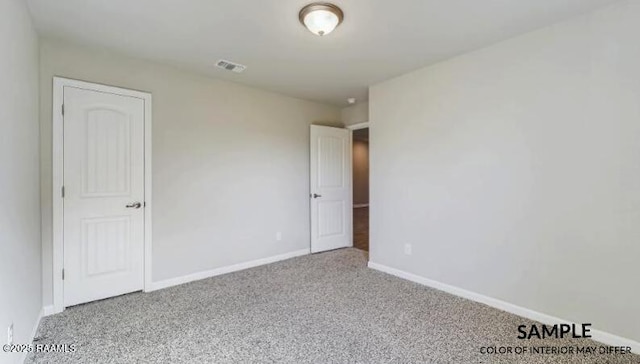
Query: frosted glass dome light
(321, 18)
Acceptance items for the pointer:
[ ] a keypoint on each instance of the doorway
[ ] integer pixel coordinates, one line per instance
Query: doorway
(360, 173)
(102, 188)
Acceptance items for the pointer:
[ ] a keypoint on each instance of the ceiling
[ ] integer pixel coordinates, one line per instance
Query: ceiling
(378, 39)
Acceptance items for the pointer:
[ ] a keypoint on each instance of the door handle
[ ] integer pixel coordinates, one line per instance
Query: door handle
(315, 195)
(135, 205)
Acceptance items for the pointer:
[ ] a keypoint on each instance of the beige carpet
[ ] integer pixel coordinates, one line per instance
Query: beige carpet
(323, 308)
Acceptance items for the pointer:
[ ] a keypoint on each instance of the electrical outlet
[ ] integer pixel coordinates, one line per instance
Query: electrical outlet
(10, 334)
(278, 236)
(407, 249)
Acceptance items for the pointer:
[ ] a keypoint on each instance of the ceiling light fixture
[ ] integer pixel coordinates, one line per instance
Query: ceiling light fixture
(321, 18)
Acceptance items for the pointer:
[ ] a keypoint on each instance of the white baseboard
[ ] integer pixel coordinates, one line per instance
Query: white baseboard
(597, 335)
(360, 205)
(224, 270)
(48, 310)
(34, 331)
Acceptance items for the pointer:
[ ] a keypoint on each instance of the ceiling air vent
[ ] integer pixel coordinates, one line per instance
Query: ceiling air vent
(230, 66)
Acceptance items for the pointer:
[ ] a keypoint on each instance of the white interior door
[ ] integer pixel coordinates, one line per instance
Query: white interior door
(331, 210)
(103, 195)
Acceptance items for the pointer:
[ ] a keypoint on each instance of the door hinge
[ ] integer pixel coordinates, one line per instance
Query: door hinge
(62, 109)
(63, 274)
(62, 192)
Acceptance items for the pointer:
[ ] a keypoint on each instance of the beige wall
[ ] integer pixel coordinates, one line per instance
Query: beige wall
(360, 172)
(230, 163)
(514, 171)
(20, 269)
(356, 114)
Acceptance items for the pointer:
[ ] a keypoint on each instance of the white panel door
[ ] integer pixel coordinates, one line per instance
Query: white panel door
(103, 195)
(331, 210)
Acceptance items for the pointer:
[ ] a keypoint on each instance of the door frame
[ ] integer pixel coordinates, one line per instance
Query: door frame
(358, 126)
(58, 179)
